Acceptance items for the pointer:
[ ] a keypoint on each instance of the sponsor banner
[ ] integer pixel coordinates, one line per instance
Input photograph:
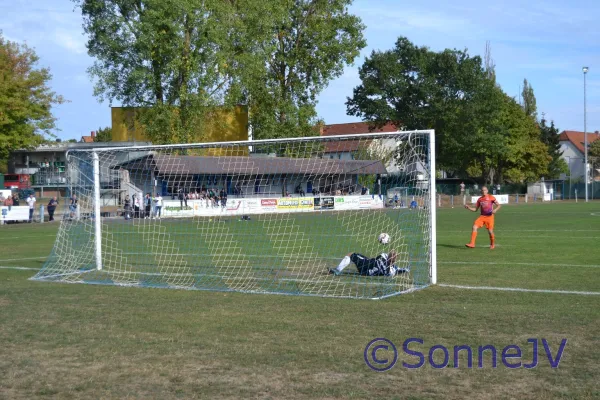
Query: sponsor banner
(172, 208)
(502, 198)
(347, 203)
(243, 206)
(373, 201)
(324, 203)
(268, 204)
(16, 213)
(251, 205)
(287, 203)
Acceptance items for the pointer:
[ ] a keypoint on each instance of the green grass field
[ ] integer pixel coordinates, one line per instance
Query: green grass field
(87, 341)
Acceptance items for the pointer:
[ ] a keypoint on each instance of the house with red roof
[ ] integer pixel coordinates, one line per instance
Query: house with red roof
(572, 146)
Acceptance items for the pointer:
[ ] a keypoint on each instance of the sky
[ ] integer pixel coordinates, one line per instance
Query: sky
(548, 42)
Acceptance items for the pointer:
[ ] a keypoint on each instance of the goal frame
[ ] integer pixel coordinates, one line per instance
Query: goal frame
(97, 221)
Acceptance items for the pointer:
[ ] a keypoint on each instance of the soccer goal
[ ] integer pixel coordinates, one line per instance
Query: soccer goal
(265, 216)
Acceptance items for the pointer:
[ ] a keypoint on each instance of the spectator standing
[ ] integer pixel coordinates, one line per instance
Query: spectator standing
(158, 202)
(147, 205)
(31, 203)
(223, 196)
(73, 206)
(127, 207)
(182, 199)
(136, 206)
(8, 202)
(51, 208)
(15, 200)
(462, 188)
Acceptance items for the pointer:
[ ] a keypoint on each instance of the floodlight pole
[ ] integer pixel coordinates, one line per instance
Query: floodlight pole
(585, 141)
(97, 220)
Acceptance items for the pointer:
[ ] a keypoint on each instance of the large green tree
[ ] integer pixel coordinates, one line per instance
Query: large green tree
(164, 55)
(180, 57)
(308, 43)
(416, 88)
(26, 100)
(480, 131)
(549, 135)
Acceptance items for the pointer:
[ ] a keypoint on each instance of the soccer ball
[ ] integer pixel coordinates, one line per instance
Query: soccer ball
(384, 238)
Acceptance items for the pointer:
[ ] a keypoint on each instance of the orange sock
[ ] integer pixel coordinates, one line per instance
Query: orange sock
(492, 239)
(473, 236)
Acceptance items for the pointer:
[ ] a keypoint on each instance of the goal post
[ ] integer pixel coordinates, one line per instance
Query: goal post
(263, 216)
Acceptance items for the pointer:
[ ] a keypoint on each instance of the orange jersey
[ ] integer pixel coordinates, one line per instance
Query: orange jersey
(486, 203)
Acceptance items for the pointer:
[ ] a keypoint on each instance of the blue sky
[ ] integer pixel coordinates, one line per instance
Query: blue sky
(546, 42)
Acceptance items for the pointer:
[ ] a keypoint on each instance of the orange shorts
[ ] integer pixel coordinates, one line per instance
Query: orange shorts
(485, 220)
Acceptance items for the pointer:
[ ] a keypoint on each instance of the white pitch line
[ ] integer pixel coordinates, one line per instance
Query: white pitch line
(508, 289)
(19, 259)
(535, 230)
(540, 237)
(516, 263)
(23, 268)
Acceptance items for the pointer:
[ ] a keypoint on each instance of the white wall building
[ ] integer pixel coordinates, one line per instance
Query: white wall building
(571, 144)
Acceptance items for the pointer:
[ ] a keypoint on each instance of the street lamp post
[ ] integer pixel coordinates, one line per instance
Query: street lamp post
(585, 142)
(570, 184)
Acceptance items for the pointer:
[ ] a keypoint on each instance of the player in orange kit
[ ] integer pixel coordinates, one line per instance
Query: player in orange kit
(486, 204)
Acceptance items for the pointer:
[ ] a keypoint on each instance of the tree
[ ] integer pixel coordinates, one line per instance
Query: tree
(167, 56)
(480, 131)
(594, 154)
(25, 99)
(526, 157)
(489, 65)
(528, 100)
(103, 135)
(549, 136)
(416, 88)
(308, 43)
(180, 58)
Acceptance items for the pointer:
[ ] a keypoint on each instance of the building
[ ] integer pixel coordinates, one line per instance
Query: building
(46, 166)
(345, 150)
(572, 147)
(412, 166)
(220, 124)
(246, 176)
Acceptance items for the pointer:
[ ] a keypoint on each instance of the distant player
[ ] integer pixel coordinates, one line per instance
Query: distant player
(382, 265)
(486, 203)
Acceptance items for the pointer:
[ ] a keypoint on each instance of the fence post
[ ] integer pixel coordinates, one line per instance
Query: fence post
(41, 213)
(526, 197)
(439, 200)
(452, 201)
(575, 195)
(517, 199)
(464, 199)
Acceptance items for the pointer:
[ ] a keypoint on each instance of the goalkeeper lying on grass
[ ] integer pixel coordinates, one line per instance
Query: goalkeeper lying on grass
(382, 265)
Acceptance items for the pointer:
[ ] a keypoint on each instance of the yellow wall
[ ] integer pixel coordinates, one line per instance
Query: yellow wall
(223, 125)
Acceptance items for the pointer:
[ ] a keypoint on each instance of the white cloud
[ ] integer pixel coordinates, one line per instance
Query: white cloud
(383, 19)
(72, 41)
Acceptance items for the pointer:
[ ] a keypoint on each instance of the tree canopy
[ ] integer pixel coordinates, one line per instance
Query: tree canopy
(103, 135)
(480, 131)
(25, 99)
(180, 57)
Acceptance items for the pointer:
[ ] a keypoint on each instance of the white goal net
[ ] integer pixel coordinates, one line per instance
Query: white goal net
(270, 216)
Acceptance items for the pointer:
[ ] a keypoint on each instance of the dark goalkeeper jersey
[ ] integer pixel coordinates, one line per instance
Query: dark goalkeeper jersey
(378, 266)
